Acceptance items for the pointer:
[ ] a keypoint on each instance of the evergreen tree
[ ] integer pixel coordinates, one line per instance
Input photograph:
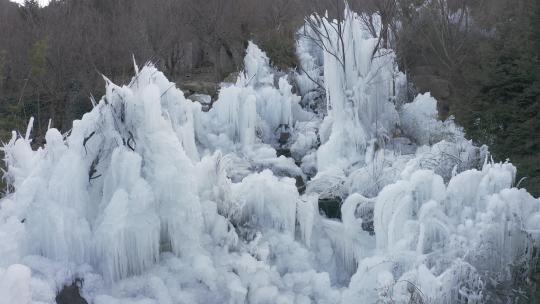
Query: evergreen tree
(506, 114)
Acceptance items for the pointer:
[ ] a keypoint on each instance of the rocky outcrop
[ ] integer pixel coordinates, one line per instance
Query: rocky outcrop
(71, 294)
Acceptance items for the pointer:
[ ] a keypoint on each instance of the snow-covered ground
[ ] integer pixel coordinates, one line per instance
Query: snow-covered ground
(149, 199)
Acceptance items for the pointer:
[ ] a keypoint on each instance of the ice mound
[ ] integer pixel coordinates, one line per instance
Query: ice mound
(149, 199)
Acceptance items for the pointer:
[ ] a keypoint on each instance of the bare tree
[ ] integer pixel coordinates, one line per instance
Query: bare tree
(216, 24)
(322, 32)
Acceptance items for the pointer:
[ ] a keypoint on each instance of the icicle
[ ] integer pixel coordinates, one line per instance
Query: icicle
(306, 212)
(135, 66)
(267, 202)
(29, 128)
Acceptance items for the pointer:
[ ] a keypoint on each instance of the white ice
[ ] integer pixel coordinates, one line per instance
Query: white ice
(149, 199)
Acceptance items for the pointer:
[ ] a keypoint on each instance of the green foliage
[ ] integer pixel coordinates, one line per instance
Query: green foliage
(9, 119)
(495, 87)
(506, 114)
(12, 117)
(2, 64)
(535, 22)
(38, 57)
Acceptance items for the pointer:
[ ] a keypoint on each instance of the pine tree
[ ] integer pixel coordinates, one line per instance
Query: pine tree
(506, 115)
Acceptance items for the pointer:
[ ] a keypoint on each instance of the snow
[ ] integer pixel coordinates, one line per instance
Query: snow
(150, 199)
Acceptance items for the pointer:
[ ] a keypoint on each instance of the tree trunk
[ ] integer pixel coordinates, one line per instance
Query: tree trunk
(218, 68)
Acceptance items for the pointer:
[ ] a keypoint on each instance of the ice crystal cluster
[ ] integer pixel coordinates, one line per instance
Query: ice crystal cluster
(149, 199)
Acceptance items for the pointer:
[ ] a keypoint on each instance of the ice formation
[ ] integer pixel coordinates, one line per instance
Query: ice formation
(149, 199)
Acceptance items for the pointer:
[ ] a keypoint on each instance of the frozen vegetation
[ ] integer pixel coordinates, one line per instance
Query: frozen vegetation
(149, 199)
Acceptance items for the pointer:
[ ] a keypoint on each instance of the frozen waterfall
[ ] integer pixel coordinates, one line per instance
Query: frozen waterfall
(148, 199)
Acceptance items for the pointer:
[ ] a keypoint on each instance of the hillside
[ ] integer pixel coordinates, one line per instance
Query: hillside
(327, 184)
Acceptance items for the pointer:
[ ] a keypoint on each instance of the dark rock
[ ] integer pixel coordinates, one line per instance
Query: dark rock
(368, 227)
(199, 86)
(300, 184)
(284, 138)
(283, 152)
(71, 294)
(365, 211)
(232, 77)
(330, 207)
(284, 134)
